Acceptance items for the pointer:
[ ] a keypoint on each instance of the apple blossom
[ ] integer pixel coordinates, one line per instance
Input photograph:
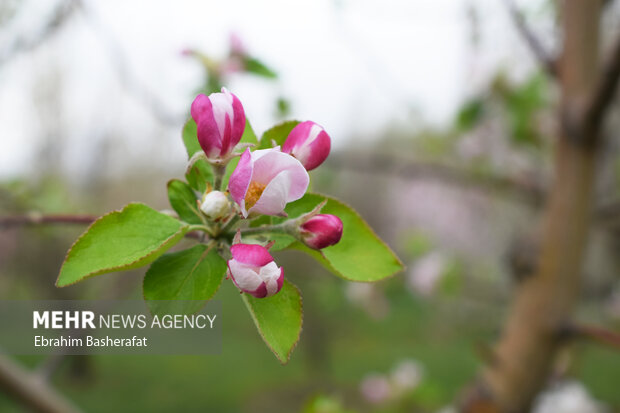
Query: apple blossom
(220, 122)
(253, 270)
(265, 180)
(321, 231)
(309, 143)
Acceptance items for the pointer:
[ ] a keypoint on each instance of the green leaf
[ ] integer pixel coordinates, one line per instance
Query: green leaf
(278, 319)
(470, 114)
(277, 134)
(248, 134)
(199, 175)
(282, 241)
(191, 274)
(283, 107)
(253, 65)
(121, 240)
(190, 138)
(360, 255)
(183, 201)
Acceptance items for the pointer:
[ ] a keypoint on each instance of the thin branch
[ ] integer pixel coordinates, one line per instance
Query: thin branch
(61, 14)
(9, 221)
(605, 90)
(543, 56)
(31, 389)
(38, 219)
(532, 192)
(129, 80)
(594, 333)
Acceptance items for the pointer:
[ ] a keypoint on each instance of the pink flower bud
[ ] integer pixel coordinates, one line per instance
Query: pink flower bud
(253, 270)
(220, 121)
(237, 47)
(321, 231)
(309, 143)
(266, 180)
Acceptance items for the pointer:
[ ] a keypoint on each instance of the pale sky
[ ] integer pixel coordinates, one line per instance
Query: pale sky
(354, 66)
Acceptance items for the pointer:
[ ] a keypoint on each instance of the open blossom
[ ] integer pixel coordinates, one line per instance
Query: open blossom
(321, 231)
(309, 143)
(220, 122)
(253, 270)
(266, 180)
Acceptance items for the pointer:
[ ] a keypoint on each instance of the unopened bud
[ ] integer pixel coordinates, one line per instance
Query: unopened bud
(321, 231)
(215, 205)
(309, 143)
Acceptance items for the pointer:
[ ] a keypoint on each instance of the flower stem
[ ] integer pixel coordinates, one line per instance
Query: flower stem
(218, 171)
(231, 222)
(203, 228)
(287, 227)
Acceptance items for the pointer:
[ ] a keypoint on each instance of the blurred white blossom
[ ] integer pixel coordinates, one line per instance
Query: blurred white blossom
(376, 388)
(406, 376)
(613, 304)
(426, 273)
(369, 297)
(568, 397)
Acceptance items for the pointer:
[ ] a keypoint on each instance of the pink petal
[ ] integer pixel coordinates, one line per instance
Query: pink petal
(251, 254)
(238, 121)
(297, 136)
(208, 134)
(322, 231)
(239, 181)
(268, 165)
(200, 106)
(260, 292)
(309, 143)
(315, 152)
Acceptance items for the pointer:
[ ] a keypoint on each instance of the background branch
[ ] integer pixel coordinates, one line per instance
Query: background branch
(133, 86)
(595, 333)
(31, 389)
(531, 192)
(543, 56)
(9, 221)
(605, 89)
(37, 219)
(61, 14)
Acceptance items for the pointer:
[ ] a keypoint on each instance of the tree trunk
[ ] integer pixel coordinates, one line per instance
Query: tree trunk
(545, 301)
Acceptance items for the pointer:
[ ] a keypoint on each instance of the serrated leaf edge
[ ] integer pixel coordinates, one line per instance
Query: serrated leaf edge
(301, 327)
(301, 247)
(181, 230)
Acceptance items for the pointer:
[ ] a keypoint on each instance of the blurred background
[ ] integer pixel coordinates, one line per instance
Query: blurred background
(442, 126)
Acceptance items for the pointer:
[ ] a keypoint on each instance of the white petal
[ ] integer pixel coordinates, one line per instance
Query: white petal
(273, 199)
(222, 106)
(270, 274)
(245, 276)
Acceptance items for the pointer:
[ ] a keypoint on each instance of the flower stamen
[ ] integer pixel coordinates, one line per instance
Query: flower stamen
(255, 190)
